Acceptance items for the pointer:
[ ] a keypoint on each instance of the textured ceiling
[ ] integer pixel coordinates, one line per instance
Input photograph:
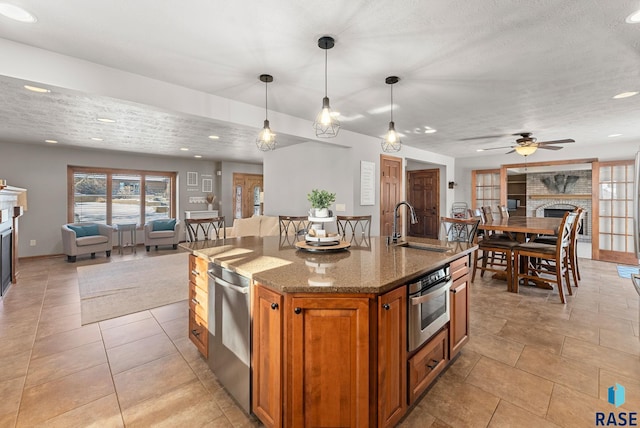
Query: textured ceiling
(467, 69)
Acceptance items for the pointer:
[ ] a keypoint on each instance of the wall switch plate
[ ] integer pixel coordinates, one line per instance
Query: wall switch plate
(32, 243)
(340, 208)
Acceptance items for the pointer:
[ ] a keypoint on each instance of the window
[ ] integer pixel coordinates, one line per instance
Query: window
(111, 196)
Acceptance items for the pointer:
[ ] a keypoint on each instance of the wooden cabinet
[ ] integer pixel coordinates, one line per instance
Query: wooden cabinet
(392, 357)
(198, 303)
(328, 361)
(459, 305)
(267, 356)
(485, 185)
(427, 363)
(517, 191)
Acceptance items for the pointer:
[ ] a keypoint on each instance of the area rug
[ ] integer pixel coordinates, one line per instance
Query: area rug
(120, 288)
(627, 271)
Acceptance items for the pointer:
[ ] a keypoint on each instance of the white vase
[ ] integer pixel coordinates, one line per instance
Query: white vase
(209, 207)
(322, 212)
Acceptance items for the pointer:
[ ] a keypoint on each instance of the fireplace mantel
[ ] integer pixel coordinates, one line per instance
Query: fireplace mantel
(561, 196)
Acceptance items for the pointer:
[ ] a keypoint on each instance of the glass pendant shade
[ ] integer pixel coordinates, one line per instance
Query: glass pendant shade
(326, 125)
(266, 140)
(391, 142)
(526, 150)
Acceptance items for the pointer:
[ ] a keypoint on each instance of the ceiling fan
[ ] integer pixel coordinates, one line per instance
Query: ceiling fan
(527, 145)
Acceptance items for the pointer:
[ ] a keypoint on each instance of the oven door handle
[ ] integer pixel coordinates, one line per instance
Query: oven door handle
(426, 297)
(236, 288)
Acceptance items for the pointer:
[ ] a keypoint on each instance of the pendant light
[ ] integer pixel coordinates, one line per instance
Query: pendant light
(326, 125)
(391, 142)
(266, 140)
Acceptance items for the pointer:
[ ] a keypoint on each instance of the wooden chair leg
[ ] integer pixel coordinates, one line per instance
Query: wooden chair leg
(559, 283)
(516, 273)
(475, 265)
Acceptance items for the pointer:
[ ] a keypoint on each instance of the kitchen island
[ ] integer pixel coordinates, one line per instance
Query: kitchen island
(329, 330)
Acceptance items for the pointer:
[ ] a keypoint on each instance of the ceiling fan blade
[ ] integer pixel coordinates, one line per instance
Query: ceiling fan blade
(550, 147)
(497, 148)
(510, 151)
(484, 137)
(568, 140)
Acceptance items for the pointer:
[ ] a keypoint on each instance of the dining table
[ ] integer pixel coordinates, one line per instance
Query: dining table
(524, 229)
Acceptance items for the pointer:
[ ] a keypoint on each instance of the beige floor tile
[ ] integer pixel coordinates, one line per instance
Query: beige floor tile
(171, 312)
(58, 325)
(628, 343)
(571, 373)
(133, 354)
(51, 399)
(10, 391)
(13, 366)
(66, 340)
(569, 408)
(538, 337)
(221, 422)
(239, 418)
(187, 349)
(55, 366)
(101, 413)
(498, 348)
(576, 329)
(631, 385)
(130, 332)
(15, 345)
(187, 405)
(417, 418)
(152, 380)
(620, 311)
(463, 365)
(125, 319)
(176, 328)
(484, 321)
(64, 299)
(600, 356)
(53, 312)
(513, 385)
(602, 321)
(509, 416)
(459, 403)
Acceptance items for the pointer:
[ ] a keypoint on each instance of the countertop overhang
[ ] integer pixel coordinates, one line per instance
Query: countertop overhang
(373, 269)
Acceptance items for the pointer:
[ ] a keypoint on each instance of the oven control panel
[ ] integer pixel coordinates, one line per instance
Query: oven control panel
(429, 279)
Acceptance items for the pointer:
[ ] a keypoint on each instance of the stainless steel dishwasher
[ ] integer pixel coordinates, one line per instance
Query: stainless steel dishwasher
(229, 333)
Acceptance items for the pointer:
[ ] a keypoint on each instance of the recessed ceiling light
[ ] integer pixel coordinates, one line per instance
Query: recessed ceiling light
(16, 13)
(479, 150)
(625, 95)
(37, 89)
(105, 120)
(197, 156)
(96, 138)
(614, 135)
(429, 130)
(184, 149)
(51, 141)
(214, 137)
(634, 18)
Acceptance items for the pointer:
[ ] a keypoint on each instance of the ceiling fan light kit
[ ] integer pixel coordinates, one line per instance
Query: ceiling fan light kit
(526, 150)
(391, 142)
(326, 125)
(526, 144)
(266, 140)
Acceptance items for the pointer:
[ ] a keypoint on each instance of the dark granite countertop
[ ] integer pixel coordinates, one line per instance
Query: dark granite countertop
(374, 269)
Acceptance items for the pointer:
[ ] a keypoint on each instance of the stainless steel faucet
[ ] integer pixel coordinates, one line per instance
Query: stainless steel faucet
(396, 215)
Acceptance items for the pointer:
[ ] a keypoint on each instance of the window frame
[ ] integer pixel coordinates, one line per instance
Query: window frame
(110, 172)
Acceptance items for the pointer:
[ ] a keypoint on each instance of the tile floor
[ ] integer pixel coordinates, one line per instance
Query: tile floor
(530, 362)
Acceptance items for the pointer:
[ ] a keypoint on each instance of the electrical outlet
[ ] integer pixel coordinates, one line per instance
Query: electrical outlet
(340, 208)
(32, 243)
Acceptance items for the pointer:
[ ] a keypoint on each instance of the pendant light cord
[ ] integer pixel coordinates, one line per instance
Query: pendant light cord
(391, 103)
(266, 109)
(325, 72)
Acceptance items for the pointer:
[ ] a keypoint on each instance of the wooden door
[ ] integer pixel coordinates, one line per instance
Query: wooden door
(423, 192)
(267, 356)
(390, 192)
(246, 195)
(613, 212)
(392, 357)
(328, 361)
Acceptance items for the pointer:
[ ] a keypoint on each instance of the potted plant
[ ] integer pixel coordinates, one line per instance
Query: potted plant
(321, 200)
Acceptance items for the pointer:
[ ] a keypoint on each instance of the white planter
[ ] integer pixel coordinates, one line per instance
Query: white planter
(209, 207)
(322, 212)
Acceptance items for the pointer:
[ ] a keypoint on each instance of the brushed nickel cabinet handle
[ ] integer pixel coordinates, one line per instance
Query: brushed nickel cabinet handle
(195, 302)
(196, 333)
(194, 272)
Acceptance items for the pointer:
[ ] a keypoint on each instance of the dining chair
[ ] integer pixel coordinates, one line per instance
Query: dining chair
(293, 227)
(459, 229)
(545, 262)
(485, 260)
(355, 229)
(504, 211)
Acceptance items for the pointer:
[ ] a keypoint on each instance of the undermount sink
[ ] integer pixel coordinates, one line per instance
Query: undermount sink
(424, 247)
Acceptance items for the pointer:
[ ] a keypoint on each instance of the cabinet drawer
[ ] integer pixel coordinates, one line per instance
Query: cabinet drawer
(459, 267)
(198, 333)
(427, 364)
(198, 271)
(198, 301)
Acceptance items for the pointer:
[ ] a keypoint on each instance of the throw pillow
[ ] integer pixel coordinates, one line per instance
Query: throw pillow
(164, 224)
(82, 231)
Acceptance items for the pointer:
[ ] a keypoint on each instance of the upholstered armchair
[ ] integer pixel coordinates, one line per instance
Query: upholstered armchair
(162, 232)
(86, 238)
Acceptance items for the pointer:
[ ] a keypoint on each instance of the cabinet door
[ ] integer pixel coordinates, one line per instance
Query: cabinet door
(267, 356)
(392, 357)
(329, 362)
(459, 326)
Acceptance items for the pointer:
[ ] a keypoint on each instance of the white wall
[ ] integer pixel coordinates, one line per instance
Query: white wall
(226, 183)
(42, 170)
